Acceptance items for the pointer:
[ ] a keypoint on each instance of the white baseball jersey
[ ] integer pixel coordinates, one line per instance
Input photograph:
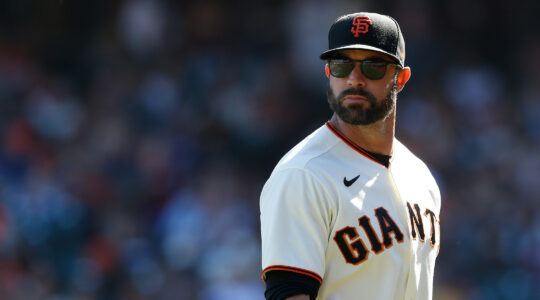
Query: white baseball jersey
(364, 231)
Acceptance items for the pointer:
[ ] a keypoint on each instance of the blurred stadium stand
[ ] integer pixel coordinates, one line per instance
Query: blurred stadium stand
(136, 136)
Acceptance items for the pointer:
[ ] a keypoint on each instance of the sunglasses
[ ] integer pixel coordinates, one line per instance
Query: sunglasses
(372, 69)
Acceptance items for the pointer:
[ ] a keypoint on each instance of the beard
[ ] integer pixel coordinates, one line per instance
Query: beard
(358, 115)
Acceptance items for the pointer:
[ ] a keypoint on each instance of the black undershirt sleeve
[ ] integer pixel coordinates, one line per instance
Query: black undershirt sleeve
(283, 284)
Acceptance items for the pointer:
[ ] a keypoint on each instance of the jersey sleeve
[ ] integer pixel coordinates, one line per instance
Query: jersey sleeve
(295, 223)
(436, 195)
(433, 189)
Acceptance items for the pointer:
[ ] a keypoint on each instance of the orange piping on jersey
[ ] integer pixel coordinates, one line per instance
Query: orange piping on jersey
(291, 269)
(352, 144)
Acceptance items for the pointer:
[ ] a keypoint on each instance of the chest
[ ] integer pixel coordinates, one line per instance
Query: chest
(379, 211)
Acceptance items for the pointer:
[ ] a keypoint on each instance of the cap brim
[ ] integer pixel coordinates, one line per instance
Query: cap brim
(327, 54)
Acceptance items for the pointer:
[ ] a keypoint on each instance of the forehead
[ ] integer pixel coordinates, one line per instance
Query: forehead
(362, 54)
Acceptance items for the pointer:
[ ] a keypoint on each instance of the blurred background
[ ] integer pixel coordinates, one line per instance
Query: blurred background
(136, 136)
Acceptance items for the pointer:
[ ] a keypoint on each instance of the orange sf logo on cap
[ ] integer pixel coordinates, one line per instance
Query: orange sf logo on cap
(361, 25)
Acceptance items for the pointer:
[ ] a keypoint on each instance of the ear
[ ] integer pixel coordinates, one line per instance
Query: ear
(327, 70)
(403, 76)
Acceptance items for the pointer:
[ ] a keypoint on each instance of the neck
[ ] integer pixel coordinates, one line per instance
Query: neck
(377, 137)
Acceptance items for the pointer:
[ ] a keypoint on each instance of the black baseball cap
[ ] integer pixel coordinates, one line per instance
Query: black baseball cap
(366, 31)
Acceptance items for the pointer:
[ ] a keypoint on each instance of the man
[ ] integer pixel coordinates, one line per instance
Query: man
(349, 212)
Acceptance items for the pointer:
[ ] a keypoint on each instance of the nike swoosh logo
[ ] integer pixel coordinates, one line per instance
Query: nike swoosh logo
(348, 183)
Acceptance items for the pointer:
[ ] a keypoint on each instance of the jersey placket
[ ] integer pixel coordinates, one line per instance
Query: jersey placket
(400, 206)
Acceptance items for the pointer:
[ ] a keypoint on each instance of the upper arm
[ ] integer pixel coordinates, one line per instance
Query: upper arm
(295, 217)
(435, 193)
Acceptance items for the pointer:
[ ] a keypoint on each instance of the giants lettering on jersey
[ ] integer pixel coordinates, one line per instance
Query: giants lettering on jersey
(354, 249)
(417, 224)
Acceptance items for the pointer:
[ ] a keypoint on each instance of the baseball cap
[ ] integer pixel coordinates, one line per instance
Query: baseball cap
(366, 31)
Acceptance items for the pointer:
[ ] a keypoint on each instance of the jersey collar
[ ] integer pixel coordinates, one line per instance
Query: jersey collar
(355, 147)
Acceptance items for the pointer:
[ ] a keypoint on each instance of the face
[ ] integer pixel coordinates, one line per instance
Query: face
(358, 100)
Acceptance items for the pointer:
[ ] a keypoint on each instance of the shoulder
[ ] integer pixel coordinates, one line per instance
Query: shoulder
(416, 168)
(301, 170)
(309, 151)
(406, 157)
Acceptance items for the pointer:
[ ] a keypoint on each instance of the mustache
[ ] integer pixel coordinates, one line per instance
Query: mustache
(357, 92)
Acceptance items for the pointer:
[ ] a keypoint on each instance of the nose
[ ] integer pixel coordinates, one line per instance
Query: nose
(356, 78)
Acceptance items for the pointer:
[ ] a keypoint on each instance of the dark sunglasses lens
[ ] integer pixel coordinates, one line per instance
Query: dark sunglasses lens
(341, 69)
(374, 70)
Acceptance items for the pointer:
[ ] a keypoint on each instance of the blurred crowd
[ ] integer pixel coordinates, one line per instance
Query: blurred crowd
(136, 136)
